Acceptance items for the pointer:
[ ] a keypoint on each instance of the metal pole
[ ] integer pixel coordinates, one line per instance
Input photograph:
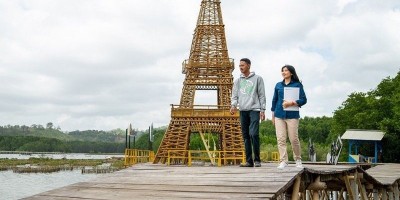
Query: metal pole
(376, 152)
(150, 146)
(126, 138)
(129, 143)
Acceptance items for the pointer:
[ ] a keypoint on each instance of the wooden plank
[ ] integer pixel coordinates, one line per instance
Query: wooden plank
(272, 188)
(329, 169)
(386, 174)
(93, 193)
(144, 181)
(148, 181)
(218, 177)
(194, 183)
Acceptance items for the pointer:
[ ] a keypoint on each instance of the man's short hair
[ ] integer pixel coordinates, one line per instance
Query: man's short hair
(246, 60)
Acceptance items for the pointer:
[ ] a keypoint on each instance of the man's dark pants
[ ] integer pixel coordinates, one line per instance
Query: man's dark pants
(250, 121)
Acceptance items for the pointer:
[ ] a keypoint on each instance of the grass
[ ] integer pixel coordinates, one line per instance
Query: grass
(76, 163)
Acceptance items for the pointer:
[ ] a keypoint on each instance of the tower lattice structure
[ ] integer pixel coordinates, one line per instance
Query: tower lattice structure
(208, 68)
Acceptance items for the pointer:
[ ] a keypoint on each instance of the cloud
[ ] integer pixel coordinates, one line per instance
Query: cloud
(104, 64)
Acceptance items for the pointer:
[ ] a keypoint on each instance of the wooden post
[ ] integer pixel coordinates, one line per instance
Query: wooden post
(296, 188)
(317, 184)
(363, 192)
(219, 159)
(376, 194)
(390, 194)
(341, 194)
(396, 191)
(334, 195)
(315, 195)
(135, 156)
(207, 146)
(189, 158)
(348, 186)
(383, 194)
(308, 194)
(243, 157)
(168, 158)
(354, 186)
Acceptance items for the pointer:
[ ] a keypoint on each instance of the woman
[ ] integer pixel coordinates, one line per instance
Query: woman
(285, 114)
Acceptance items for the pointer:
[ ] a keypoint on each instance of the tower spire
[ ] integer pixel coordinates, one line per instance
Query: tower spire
(208, 68)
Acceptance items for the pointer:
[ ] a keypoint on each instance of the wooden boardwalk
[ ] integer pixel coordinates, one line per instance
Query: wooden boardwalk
(386, 174)
(151, 181)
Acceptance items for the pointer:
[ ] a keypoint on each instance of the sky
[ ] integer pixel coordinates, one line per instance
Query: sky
(103, 64)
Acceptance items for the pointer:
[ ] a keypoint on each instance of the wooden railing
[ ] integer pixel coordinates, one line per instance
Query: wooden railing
(202, 111)
(218, 157)
(270, 156)
(133, 156)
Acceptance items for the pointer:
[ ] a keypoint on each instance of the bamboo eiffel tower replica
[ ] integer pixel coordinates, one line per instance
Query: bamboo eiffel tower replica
(208, 68)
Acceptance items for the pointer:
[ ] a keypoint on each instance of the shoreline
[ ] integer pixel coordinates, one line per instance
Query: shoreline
(48, 165)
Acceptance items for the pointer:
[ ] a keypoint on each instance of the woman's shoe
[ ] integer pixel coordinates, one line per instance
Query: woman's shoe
(282, 165)
(299, 164)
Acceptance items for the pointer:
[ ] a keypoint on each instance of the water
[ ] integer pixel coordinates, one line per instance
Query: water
(61, 156)
(16, 186)
(20, 185)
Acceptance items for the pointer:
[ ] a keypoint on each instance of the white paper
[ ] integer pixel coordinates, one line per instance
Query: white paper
(291, 94)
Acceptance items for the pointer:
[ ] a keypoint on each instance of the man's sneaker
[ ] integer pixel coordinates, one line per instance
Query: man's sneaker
(282, 165)
(298, 164)
(246, 165)
(257, 164)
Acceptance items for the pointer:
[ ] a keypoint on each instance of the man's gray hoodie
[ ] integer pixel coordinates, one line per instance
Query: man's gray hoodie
(249, 93)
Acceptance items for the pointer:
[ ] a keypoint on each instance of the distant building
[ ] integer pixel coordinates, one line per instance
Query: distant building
(364, 138)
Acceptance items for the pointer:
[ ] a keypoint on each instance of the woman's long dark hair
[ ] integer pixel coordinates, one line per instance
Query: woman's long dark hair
(291, 69)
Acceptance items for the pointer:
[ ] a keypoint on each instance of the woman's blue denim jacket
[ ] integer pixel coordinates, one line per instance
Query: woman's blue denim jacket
(277, 100)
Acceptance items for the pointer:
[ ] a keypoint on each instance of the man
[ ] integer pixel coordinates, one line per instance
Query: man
(249, 94)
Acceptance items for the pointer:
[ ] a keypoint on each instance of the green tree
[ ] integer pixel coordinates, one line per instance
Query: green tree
(378, 109)
(315, 128)
(49, 125)
(388, 94)
(267, 133)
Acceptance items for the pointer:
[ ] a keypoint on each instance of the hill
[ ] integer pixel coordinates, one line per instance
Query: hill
(117, 135)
